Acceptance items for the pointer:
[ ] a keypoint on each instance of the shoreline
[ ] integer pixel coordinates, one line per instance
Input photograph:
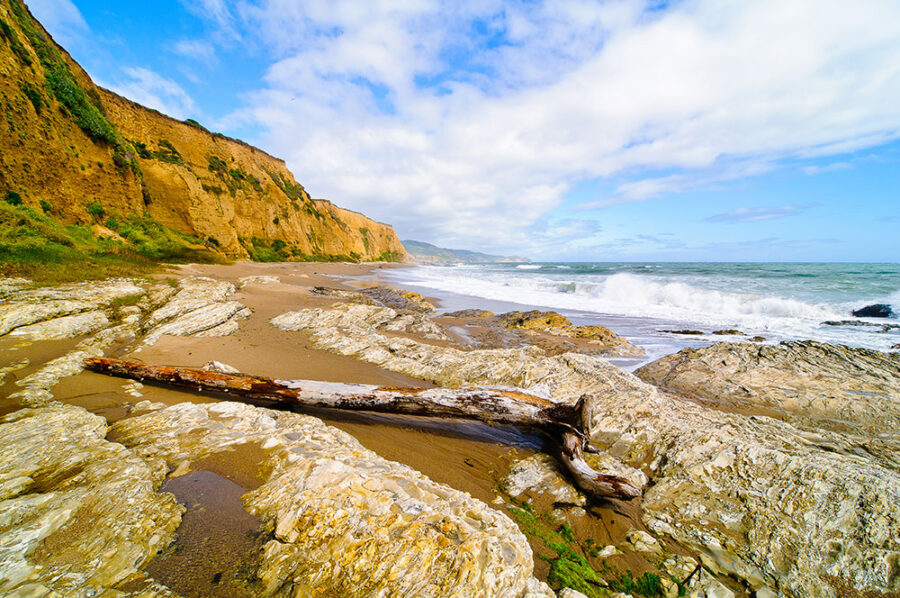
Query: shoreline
(483, 461)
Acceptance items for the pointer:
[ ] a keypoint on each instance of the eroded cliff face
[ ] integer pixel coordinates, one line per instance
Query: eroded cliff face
(66, 144)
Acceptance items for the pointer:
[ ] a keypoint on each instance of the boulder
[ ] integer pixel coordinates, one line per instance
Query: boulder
(877, 310)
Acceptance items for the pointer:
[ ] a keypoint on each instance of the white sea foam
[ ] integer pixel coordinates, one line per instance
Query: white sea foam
(683, 302)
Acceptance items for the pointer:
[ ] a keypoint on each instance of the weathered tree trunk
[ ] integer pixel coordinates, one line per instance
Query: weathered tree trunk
(491, 405)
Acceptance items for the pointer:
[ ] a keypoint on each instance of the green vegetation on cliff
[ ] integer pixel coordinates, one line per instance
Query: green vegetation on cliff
(40, 247)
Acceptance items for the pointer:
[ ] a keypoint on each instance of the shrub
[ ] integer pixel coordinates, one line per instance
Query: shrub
(112, 223)
(13, 198)
(45, 205)
(95, 209)
(193, 123)
(37, 100)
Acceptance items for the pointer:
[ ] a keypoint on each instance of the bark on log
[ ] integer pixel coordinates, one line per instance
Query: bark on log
(492, 405)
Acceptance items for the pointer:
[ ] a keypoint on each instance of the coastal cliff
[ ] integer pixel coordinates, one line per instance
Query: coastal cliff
(75, 151)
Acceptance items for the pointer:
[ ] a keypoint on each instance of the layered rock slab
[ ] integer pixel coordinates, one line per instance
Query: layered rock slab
(78, 515)
(345, 521)
(853, 391)
(759, 498)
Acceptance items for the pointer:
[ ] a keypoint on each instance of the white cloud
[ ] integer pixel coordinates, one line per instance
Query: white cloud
(573, 91)
(155, 91)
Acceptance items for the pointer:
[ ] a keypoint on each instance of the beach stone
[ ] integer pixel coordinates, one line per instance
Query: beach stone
(345, 520)
(539, 474)
(760, 498)
(877, 310)
(641, 541)
(78, 514)
(728, 332)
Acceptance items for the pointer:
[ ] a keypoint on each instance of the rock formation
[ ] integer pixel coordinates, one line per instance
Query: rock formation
(344, 520)
(780, 507)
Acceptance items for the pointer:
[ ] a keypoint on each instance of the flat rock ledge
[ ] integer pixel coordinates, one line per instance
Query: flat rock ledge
(345, 521)
(789, 511)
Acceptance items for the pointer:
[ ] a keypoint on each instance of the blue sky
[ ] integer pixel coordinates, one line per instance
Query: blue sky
(625, 130)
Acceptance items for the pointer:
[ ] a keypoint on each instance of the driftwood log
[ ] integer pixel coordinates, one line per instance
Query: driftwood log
(492, 405)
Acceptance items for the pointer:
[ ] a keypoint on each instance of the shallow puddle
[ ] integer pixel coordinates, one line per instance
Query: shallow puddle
(218, 545)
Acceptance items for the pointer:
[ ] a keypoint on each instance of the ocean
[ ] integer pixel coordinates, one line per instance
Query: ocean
(778, 301)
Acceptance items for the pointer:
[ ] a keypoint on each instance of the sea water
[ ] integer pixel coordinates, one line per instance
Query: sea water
(778, 301)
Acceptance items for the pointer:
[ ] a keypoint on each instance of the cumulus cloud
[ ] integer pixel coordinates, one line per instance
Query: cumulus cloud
(471, 121)
(155, 91)
(755, 214)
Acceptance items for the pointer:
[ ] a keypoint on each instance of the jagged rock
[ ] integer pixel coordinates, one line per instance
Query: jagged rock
(65, 327)
(570, 593)
(200, 308)
(728, 332)
(878, 310)
(760, 497)
(533, 320)
(354, 316)
(78, 514)
(352, 296)
(193, 293)
(23, 313)
(346, 521)
(398, 300)
(641, 541)
(540, 474)
(600, 335)
(816, 384)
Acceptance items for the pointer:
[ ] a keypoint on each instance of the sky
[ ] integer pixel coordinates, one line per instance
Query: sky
(709, 130)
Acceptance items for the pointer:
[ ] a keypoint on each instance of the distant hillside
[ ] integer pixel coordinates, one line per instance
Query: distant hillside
(426, 253)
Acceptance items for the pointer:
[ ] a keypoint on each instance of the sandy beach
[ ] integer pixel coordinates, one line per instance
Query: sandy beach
(331, 323)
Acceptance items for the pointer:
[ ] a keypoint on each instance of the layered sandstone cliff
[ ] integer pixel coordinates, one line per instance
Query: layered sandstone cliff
(66, 144)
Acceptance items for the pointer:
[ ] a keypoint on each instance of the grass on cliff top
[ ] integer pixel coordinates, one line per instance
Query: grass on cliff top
(38, 246)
